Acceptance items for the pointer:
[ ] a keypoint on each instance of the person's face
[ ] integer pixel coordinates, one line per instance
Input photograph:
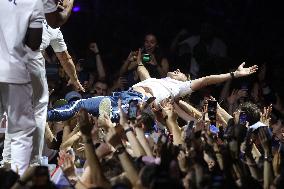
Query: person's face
(210, 162)
(150, 43)
(177, 75)
(278, 130)
(101, 89)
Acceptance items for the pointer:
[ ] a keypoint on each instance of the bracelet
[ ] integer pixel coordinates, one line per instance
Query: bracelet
(232, 75)
(268, 158)
(128, 130)
(97, 53)
(119, 149)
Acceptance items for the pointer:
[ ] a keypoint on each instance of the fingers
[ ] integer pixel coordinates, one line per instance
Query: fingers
(242, 65)
(51, 91)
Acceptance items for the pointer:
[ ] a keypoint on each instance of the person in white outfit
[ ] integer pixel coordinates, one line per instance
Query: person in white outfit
(37, 71)
(20, 37)
(36, 68)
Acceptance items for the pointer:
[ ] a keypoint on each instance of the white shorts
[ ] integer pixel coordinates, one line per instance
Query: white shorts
(52, 37)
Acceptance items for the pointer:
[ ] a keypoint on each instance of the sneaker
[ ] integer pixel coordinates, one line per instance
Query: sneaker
(105, 107)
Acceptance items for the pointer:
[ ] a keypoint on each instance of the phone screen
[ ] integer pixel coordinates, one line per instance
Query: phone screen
(212, 109)
(242, 118)
(132, 109)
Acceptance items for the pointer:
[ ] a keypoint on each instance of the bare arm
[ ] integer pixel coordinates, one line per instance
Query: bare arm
(70, 141)
(99, 63)
(215, 79)
(141, 70)
(68, 66)
(143, 141)
(93, 161)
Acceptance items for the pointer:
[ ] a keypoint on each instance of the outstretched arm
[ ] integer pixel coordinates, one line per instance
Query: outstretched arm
(215, 79)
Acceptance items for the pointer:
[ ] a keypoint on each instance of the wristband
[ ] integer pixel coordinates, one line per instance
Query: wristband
(128, 130)
(97, 53)
(119, 149)
(232, 75)
(268, 158)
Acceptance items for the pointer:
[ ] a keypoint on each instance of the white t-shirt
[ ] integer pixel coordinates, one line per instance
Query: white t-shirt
(49, 6)
(166, 87)
(15, 18)
(52, 37)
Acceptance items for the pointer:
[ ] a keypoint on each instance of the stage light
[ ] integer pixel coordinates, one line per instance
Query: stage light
(76, 8)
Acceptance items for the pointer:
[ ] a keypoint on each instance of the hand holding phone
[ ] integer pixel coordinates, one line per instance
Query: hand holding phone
(132, 109)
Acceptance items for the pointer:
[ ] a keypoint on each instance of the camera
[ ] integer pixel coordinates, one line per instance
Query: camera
(132, 109)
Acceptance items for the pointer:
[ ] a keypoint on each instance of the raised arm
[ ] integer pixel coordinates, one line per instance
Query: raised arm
(215, 79)
(99, 62)
(93, 160)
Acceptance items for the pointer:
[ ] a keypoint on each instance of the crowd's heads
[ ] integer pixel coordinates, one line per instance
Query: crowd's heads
(100, 88)
(177, 75)
(251, 110)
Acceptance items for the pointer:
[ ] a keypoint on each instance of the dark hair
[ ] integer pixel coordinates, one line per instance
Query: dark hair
(7, 178)
(252, 112)
(148, 173)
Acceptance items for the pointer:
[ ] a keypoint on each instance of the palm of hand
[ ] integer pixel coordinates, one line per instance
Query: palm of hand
(241, 71)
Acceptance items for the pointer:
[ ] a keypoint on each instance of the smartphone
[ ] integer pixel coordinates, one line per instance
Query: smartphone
(242, 118)
(189, 128)
(132, 109)
(212, 110)
(146, 58)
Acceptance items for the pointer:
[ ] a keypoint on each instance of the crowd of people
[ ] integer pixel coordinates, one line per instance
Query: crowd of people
(188, 118)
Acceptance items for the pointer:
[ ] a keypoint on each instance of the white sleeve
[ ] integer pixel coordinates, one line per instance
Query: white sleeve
(37, 16)
(49, 6)
(185, 89)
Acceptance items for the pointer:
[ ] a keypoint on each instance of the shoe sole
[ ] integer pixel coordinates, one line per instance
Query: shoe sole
(105, 107)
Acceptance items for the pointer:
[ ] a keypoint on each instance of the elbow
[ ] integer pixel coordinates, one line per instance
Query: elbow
(55, 19)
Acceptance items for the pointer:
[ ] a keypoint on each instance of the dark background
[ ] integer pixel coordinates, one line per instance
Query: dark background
(252, 29)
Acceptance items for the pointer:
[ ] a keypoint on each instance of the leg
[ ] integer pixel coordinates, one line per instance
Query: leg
(17, 102)
(66, 112)
(40, 102)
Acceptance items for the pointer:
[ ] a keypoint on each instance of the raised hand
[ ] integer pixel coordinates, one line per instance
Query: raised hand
(182, 161)
(168, 110)
(242, 72)
(77, 84)
(113, 138)
(265, 115)
(123, 120)
(233, 97)
(105, 122)
(85, 123)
